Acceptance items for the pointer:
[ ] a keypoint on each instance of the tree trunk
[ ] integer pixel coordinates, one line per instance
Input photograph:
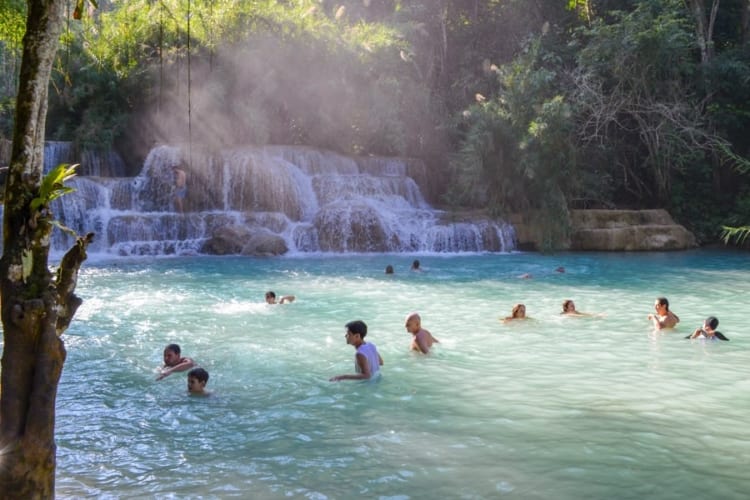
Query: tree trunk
(704, 27)
(33, 353)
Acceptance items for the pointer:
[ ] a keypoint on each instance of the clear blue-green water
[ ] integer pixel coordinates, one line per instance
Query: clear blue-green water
(555, 407)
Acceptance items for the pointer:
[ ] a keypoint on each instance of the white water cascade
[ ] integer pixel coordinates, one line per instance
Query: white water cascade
(269, 200)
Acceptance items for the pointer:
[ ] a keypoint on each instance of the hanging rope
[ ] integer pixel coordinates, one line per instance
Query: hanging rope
(161, 58)
(190, 131)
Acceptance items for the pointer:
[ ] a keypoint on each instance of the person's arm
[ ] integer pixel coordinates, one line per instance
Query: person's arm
(184, 364)
(720, 336)
(364, 368)
(695, 334)
(287, 298)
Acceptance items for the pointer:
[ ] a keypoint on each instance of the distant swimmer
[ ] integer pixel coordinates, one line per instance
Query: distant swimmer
(664, 318)
(389, 269)
(569, 309)
(285, 299)
(416, 266)
(708, 330)
(422, 339)
(367, 360)
(518, 312)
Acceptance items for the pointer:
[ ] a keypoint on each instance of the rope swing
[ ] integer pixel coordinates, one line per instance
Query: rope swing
(190, 129)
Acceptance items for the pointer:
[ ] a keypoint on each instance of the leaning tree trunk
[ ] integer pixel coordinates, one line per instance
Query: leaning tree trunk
(36, 307)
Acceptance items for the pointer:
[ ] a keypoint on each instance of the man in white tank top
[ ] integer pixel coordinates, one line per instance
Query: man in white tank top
(367, 360)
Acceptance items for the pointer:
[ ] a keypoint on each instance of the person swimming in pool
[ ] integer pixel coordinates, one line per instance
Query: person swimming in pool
(664, 318)
(708, 330)
(518, 312)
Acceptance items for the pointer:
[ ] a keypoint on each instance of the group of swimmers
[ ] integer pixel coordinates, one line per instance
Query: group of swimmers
(415, 266)
(661, 319)
(367, 359)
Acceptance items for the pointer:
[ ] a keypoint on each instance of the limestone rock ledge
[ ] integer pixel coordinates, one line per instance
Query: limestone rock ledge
(614, 231)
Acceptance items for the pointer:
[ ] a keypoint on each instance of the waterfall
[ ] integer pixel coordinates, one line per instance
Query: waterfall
(269, 200)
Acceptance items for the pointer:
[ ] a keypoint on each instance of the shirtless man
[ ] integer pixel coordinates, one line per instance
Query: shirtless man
(664, 318)
(173, 362)
(423, 339)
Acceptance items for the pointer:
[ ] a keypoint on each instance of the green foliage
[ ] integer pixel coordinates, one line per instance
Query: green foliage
(53, 185)
(737, 235)
(539, 106)
(518, 151)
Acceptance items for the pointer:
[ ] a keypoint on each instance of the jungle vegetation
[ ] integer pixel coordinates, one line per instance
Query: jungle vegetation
(517, 105)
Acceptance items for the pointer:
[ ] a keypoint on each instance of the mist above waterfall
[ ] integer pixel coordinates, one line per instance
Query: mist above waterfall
(266, 92)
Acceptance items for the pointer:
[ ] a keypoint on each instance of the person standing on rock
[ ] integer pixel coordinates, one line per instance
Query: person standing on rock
(180, 188)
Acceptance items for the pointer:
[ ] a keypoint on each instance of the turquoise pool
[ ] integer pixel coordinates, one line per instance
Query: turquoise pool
(555, 407)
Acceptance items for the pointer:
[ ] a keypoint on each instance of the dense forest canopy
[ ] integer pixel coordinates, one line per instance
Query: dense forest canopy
(517, 105)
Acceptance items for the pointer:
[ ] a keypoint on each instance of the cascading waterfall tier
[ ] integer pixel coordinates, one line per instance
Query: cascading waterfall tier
(269, 200)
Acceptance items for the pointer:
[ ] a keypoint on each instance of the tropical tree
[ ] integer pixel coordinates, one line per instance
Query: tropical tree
(37, 306)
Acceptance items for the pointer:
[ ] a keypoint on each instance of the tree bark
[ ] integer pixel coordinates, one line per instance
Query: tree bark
(33, 353)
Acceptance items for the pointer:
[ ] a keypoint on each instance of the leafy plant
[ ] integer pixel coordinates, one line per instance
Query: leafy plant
(53, 185)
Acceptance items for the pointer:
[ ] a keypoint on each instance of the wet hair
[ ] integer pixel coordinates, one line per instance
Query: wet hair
(415, 264)
(389, 269)
(515, 310)
(663, 301)
(271, 294)
(358, 327)
(565, 305)
(174, 348)
(199, 373)
(712, 321)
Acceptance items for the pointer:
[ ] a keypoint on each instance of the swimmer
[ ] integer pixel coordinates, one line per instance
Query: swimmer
(271, 298)
(423, 339)
(415, 266)
(569, 309)
(389, 269)
(708, 330)
(518, 312)
(367, 360)
(196, 382)
(664, 318)
(173, 362)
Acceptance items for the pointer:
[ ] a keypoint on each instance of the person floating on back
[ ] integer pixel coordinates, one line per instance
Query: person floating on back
(173, 362)
(367, 360)
(422, 339)
(197, 379)
(569, 309)
(664, 318)
(285, 299)
(708, 330)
